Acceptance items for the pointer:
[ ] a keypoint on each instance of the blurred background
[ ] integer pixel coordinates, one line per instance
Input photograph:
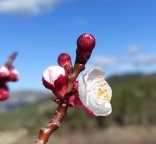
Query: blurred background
(125, 32)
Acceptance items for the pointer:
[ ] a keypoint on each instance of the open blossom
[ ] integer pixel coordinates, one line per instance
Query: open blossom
(54, 78)
(95, 93)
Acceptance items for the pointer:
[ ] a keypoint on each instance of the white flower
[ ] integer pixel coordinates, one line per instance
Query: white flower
(95, 93)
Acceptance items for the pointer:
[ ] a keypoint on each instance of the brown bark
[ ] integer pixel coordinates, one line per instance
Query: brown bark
(11, 59)
(61, 110)
(53, 124)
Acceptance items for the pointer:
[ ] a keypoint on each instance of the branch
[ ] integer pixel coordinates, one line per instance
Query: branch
(60, 113)
(53, 124)
(87, 43)
(11, 59)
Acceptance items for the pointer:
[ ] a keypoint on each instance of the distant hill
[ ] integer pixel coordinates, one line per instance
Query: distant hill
(22, 98)
(134, 98)
(133, 102)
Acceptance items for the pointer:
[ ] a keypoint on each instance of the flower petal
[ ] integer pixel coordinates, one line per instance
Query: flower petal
(99, 107)
(4, 72)
(82, 89)
(50, 75)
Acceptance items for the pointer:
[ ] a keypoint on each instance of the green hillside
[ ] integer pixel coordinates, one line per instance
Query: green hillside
(133, 102)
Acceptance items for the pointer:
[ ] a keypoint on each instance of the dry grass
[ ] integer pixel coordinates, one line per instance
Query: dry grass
(113, 135)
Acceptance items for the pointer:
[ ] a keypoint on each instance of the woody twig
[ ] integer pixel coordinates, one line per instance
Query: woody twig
(85, 45)
(11, 59)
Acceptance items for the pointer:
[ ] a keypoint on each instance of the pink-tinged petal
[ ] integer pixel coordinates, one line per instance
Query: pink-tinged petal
(75, 101)
(50, 75)
(13, 74)
(60, 87)
(4, 94)
(4, 72)
(90, 113)
(47, 84)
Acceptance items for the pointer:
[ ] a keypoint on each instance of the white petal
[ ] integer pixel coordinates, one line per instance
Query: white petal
(94, 73)
(52, 73)
(99, 106)
(82, 90)
(93, 77)
(3, 69)
(107, 86)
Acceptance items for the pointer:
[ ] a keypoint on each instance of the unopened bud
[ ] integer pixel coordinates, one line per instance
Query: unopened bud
(85, 45)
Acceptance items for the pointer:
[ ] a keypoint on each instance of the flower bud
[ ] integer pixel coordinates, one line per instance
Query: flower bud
(13, 74)
(55, 79)
(85, 44)
(4, 94)
(4, 73)
(64, 60)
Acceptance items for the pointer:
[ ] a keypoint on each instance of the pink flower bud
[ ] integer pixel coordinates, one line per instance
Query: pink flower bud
(4, 94)
(13, 74)
(64, 59)
(86, 42)
(4, 73)
(54, 78)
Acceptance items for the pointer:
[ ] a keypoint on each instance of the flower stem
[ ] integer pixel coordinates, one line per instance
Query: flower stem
(54, 124)
(11, 59)
(60, 113)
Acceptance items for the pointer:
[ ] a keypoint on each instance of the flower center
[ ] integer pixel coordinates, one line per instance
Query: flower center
(103, 93)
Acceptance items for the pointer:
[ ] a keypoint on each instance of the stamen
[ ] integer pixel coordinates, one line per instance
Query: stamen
(104, 94)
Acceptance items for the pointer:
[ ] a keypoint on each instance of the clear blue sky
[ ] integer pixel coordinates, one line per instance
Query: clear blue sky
(125, 31)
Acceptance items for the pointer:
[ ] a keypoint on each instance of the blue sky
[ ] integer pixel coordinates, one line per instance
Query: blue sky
(125, 32)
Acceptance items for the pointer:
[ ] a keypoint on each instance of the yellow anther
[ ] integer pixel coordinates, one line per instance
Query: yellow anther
(104, 94)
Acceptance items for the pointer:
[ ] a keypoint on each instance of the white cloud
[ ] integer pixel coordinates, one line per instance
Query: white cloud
(104, 61)
(144, 60)
(133, 49)
(26, 7)
(125, 68)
